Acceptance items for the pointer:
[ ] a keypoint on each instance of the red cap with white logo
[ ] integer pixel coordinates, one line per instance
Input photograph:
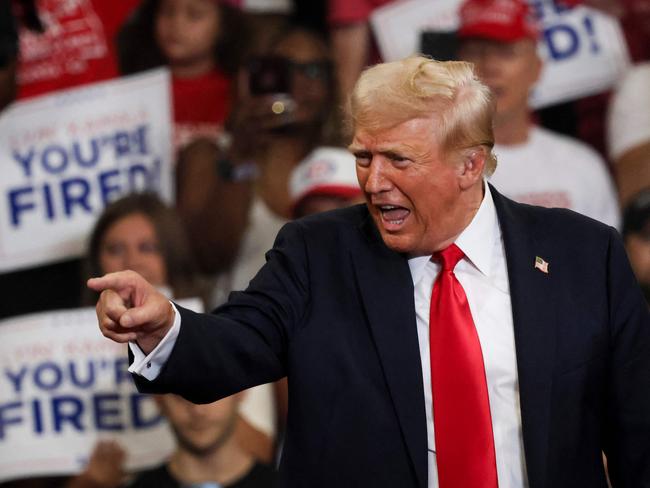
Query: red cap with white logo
(498, 20)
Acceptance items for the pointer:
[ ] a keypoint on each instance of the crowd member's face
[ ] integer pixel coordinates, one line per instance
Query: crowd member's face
(200, 429)
(131, 243)
(314, 204)
(510, 69)
(310, 76)
(414, 194)
(187, 30)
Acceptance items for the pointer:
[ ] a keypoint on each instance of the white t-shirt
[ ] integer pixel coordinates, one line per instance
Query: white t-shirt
(628, 121)
(553, 170)
(259, 236)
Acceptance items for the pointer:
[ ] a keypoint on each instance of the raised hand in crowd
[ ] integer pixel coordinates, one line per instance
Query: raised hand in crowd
(105, 468)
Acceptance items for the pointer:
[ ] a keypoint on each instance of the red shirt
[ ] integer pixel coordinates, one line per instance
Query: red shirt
(201, 105)
(341, 12)
(76, 48)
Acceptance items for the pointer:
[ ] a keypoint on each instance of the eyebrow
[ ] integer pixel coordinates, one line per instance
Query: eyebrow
(391, 153)
(359, 152)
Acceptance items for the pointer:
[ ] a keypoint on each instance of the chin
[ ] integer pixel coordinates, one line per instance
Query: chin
(401, 244)
(201, 447)
(399, 241)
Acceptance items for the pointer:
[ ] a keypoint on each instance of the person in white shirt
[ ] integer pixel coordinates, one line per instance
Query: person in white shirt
(536, 166)
(628, 132)
(441, 335)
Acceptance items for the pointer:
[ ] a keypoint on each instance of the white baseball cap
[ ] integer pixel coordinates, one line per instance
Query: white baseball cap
(628, 122)
(327, 171)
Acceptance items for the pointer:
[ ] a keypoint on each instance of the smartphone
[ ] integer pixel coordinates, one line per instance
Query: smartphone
(440, 45)
(269, 75)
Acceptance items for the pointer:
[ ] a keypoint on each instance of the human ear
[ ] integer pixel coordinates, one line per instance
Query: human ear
(472, 167)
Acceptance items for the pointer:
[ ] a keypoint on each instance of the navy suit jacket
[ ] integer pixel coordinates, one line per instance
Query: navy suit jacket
(333, 309)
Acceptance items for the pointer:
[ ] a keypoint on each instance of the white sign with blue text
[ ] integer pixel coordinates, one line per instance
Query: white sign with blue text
(584, 53)
(583, 49)
(65, 156)
(63, 386)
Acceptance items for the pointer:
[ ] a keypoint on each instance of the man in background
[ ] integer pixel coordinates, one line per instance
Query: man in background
(536, 166)
(207, 455)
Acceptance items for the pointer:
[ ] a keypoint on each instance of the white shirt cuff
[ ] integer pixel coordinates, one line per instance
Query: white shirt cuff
(150, 366)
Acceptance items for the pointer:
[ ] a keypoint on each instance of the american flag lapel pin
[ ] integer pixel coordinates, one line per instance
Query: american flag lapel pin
(541, 265)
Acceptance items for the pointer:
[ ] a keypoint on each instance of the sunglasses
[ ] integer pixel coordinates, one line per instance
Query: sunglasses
(314, 70)
(272, 74)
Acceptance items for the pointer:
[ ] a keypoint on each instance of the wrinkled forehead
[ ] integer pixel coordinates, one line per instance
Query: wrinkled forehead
(381, 114)
(419, 131)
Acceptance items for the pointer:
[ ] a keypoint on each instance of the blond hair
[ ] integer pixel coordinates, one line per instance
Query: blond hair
(389, 94)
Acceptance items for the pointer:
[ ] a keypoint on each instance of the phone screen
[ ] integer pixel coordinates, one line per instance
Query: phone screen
(269, 75)
(441, 46)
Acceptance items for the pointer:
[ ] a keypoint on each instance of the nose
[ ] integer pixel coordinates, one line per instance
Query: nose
(300, 87)
(196, 410)
(377, 180)
(176, 22)
(303, 85)
(132, 260)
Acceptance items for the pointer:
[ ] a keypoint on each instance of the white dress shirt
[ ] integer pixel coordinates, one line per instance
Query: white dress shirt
(484, 277)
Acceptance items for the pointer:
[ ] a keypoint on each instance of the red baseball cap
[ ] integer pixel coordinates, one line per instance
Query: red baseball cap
(499, 20)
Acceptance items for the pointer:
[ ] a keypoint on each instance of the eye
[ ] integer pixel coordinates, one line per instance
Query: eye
(363, 158)
(398, 160)
(113, 248)
(166, 10)
(470, 50)
(149, 247)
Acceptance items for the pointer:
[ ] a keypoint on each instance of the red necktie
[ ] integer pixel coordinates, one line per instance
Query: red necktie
(461, 408)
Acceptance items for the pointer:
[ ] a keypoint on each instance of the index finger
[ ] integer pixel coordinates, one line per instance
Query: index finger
(115, 281)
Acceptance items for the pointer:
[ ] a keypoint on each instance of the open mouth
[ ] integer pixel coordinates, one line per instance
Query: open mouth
(393, 216)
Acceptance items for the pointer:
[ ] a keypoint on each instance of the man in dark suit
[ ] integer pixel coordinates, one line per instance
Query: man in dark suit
(439, 336)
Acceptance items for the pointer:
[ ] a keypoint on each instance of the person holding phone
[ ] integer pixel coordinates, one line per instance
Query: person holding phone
(234, 199)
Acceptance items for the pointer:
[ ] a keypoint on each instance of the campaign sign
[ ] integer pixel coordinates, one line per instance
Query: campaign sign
(65, 156)
(584, 53)
(583, 49)
(63, 386)
(397, 25)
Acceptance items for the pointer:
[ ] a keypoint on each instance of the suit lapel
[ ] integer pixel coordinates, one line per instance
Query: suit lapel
(534, 315)
(386, 288)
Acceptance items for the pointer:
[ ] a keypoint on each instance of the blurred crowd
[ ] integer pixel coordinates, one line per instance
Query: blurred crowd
(258, 90)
